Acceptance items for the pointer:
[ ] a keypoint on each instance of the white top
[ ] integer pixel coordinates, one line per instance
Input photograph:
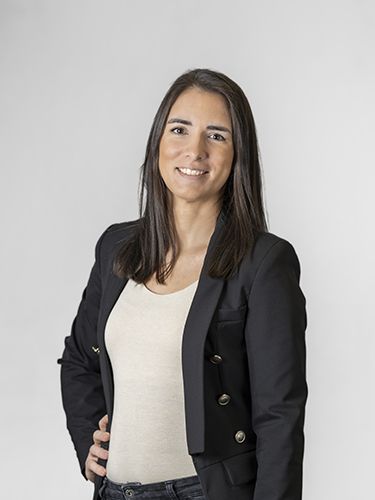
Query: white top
(143, 337)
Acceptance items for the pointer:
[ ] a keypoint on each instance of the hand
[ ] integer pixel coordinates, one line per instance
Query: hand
(96, 451)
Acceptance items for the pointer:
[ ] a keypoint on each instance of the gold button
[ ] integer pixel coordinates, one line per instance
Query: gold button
(240, 436)
(224, 399)
(216, 359)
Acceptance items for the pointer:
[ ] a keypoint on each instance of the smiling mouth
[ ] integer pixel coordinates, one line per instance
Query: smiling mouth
(192, 172)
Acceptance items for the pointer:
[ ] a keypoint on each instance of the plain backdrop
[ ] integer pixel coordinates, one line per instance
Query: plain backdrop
(80, 82)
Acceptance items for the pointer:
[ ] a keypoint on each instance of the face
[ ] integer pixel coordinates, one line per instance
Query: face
(197, 138)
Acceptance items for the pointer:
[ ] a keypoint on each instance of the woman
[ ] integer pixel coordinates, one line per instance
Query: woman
(184, 373)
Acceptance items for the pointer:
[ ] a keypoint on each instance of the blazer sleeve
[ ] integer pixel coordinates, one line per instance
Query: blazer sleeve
(81, 385)
(276, 352)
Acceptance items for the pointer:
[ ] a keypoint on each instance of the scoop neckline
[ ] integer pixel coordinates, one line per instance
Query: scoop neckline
(147, 290)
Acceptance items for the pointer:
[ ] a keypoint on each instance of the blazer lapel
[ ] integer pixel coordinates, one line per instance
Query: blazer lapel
(197, 324)
(196, 327)
(111, 293)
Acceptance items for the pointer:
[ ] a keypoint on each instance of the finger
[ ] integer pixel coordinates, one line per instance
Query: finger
(103, 422)
(98, 452)
(100, 436)
(95, 467)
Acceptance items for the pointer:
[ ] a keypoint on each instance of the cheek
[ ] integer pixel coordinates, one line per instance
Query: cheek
(224, 156)
(168, 149)
(226, 165)
(223, 173)
(224, 176)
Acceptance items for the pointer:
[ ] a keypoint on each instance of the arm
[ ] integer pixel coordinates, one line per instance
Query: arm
(275, 343)
(81, 385)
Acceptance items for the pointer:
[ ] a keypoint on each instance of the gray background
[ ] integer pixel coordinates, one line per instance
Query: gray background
(80, 83)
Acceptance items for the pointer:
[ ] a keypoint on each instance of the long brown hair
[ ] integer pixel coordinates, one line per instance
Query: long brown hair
(145, 252)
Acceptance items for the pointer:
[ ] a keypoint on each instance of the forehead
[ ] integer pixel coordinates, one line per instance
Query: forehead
(198, 104)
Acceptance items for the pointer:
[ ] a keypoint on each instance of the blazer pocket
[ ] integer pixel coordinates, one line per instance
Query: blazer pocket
(242, 468)
(225, 314)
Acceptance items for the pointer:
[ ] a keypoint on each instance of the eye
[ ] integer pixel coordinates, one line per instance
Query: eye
(177, 128)
(182, 128)
(219, 135)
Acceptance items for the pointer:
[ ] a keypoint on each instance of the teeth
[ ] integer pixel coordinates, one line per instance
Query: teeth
(189, 171)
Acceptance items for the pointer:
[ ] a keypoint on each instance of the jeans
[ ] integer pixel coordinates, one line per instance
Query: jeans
(183, 488)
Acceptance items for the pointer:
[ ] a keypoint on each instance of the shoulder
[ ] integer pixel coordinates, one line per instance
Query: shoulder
(265, 241)
(118, 231)
(273, 248)
(114, 234)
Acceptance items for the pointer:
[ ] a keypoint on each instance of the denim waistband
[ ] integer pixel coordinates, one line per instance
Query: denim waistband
(139, 488)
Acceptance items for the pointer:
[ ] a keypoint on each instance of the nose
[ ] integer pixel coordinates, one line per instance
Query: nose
(196, 149)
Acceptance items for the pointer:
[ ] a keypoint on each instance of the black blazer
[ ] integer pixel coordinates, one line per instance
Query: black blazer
(243, 365)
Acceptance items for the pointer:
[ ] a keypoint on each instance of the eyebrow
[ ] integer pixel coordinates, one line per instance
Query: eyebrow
(209, 127)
